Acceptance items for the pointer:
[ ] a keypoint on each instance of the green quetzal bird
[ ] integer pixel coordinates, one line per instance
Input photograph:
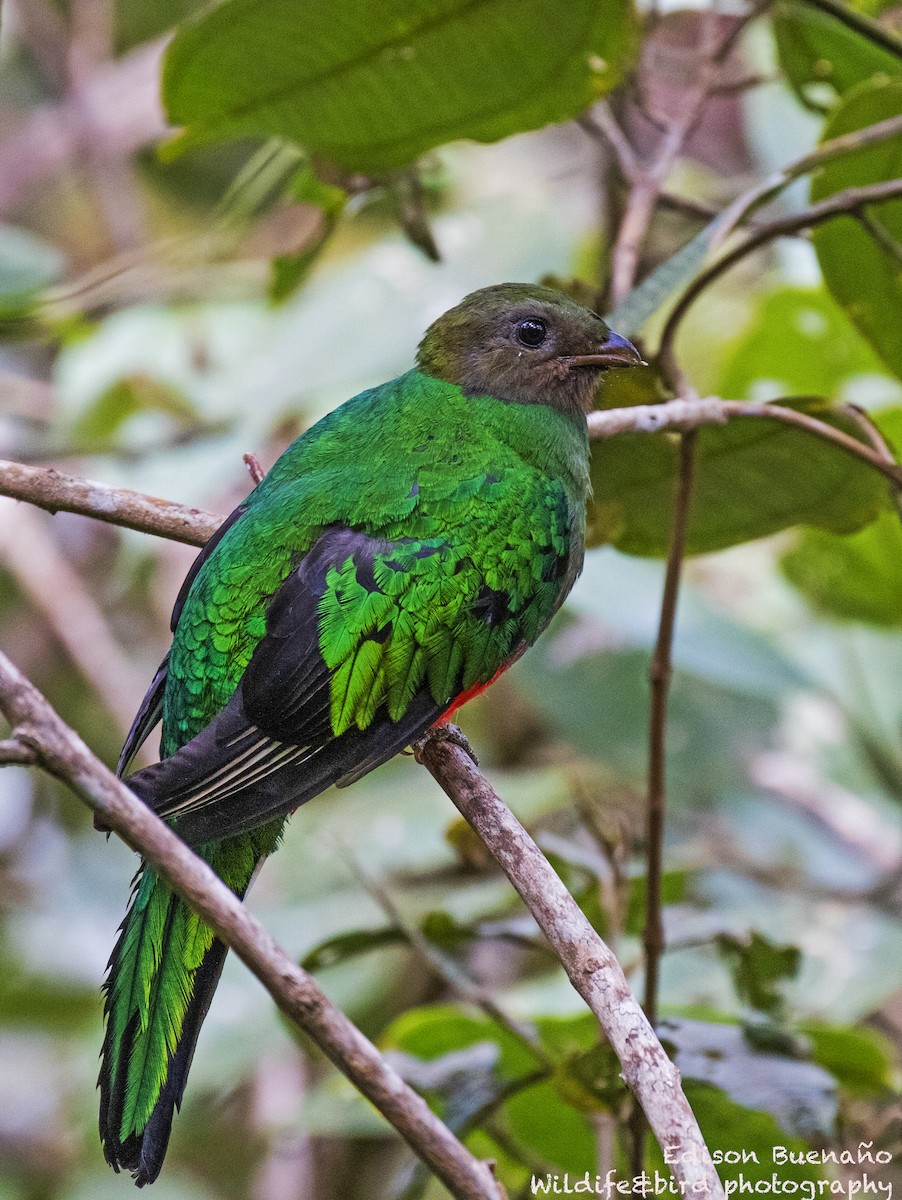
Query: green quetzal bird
(396, 559)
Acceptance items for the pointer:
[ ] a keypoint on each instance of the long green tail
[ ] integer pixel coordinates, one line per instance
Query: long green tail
(162, 974)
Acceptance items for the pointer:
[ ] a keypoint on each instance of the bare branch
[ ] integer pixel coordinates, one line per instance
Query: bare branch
(60, 751)
(601, 125)
(56, 491)
(659, 676)
(709, 410)
(647, 182)
(767, 189)
(14, 754)
(848, 202)
(592, 968)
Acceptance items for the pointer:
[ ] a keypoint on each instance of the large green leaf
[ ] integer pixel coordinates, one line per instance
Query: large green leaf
(800, 343)
(371, 92)
(858, 577)
(822, 57)
(863, 269)
(753, 478)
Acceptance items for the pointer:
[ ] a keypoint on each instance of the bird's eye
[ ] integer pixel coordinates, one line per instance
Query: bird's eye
(531, 332)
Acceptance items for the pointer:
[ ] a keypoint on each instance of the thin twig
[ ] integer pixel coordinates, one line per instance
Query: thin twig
(602, 125)
(14, 754)
(659, 673)
(647, 182)
(592, 968)
(843, 203)
(767, 189)
(59, 750)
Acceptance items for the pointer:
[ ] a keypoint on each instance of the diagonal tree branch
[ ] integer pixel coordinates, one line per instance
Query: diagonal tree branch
(56, 491)
(591, 966)
(40, 732)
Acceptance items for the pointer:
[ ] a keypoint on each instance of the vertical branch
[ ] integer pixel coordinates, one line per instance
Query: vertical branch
(660, 671)
(590, 965)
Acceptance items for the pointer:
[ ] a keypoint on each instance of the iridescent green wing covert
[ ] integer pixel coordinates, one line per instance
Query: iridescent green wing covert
(369, 640)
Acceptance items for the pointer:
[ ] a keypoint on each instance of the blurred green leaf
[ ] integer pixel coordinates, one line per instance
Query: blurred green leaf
(343, 946)
(27, 265)
(858, 577)
(372, 95)
(434, 1031)
(106, 415)
(822, 57)
(550, 1128)
(759, 966)
(858, 1058)
(753, 478)
(862, 267)
(52, 1004)
(799, 343)
(712, 729)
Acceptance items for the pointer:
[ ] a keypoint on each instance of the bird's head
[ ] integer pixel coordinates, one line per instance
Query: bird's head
(526, 344)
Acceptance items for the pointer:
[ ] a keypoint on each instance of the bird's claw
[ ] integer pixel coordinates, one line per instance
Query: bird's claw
(445, 733)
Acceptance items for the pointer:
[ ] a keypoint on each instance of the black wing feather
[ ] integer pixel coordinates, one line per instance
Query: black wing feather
(147, 717)
(272, 747)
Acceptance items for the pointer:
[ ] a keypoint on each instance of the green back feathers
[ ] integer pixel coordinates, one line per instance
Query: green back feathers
(529, 463)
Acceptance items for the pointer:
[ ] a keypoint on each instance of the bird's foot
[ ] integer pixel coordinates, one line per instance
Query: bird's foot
(445, 733)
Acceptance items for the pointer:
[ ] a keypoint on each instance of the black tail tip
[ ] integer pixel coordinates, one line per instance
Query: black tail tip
(142, 1157)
